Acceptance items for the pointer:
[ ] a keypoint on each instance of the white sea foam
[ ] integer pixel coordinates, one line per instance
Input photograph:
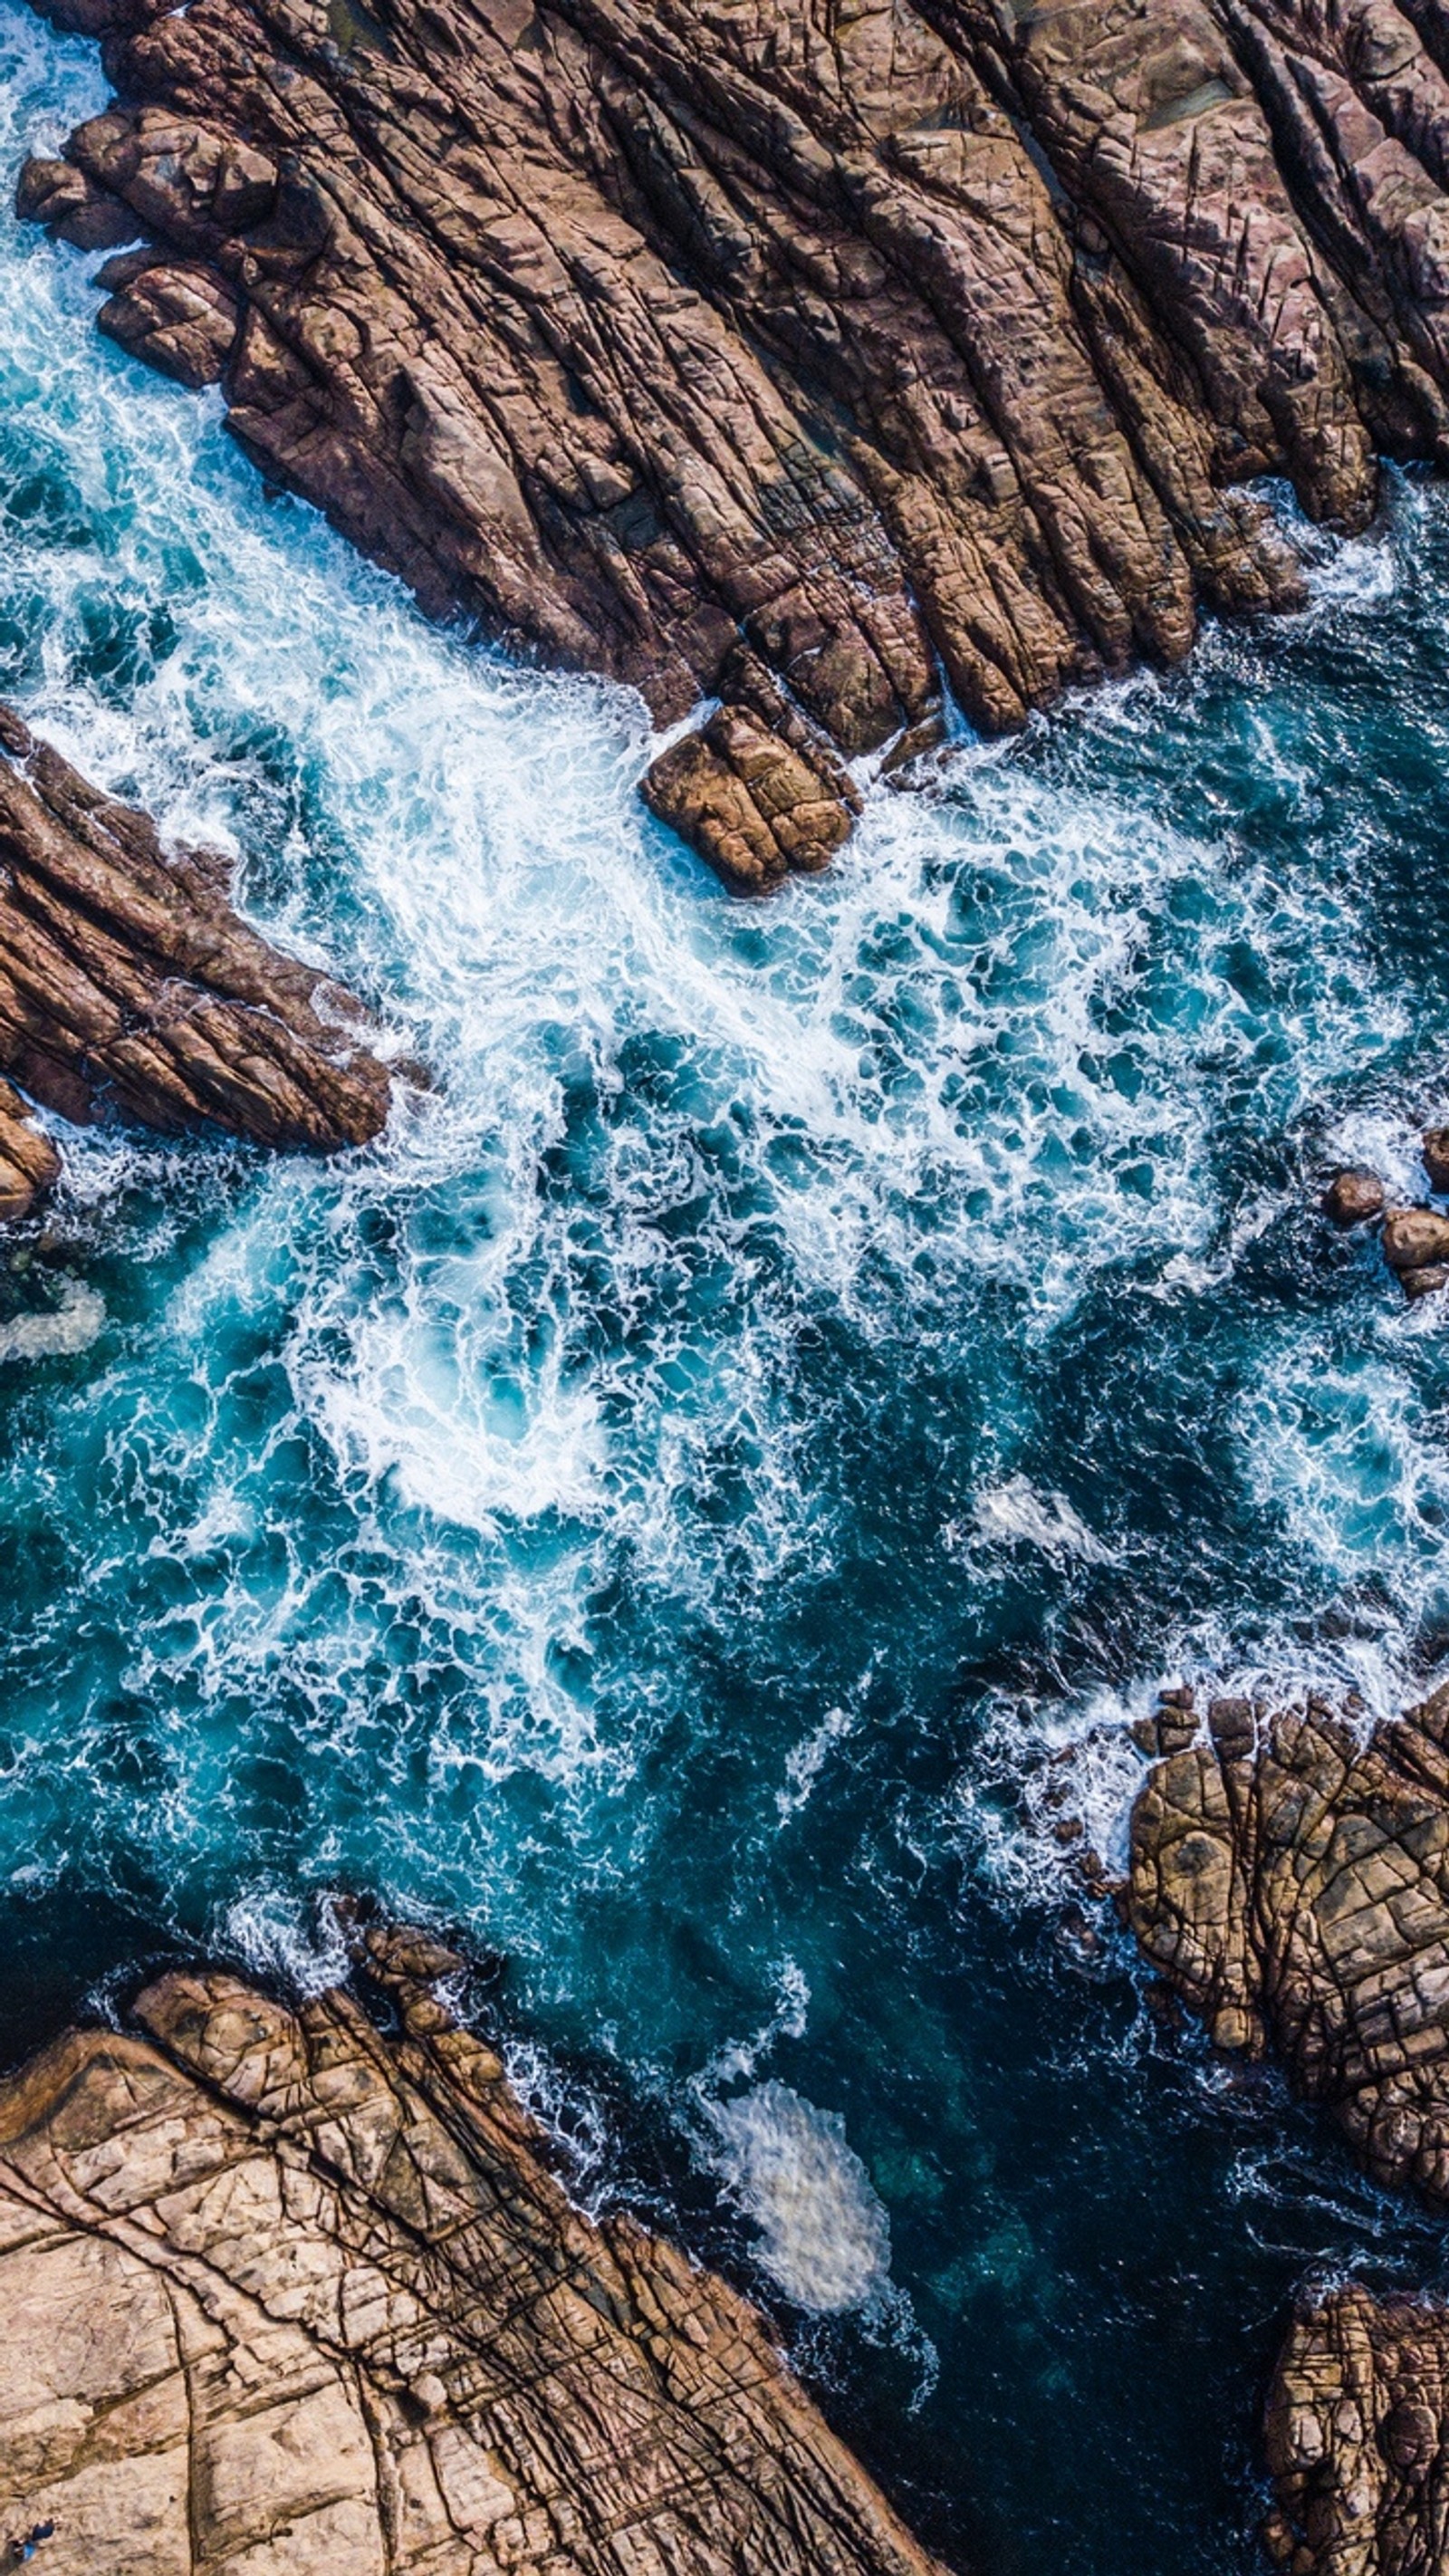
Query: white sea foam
(824, 2235)
(276, 1933)
(76, 1320)
(1013, 1514)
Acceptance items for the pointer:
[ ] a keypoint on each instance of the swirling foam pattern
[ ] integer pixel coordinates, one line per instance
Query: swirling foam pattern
(623, 1508)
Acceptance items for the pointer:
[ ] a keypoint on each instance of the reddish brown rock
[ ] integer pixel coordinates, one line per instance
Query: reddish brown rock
(1436, 1158)
(29, 1163)
(1291, 1881)
(1354, 1197)
(127, 981)
(181, 320)
(671, 341)
(282, 2293)
(1357, 2437)
(1415, 1238)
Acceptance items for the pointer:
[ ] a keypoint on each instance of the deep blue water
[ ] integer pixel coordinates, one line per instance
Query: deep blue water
(662, 1508)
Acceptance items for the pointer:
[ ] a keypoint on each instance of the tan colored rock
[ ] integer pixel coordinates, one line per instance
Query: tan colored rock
(283, 2294)
(1291, 1882)
(663, 334)
(127, 980)
(1357, 2437)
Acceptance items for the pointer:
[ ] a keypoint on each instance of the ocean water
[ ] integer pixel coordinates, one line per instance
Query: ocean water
(667, 1507)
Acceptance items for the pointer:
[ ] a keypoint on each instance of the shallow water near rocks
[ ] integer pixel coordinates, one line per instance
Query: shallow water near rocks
(658, 1507)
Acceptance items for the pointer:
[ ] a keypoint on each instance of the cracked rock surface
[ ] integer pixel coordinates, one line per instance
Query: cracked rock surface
(127, 981)
(789, 356)
(1357, 2436)
(283, 2294)
(1290, 1879)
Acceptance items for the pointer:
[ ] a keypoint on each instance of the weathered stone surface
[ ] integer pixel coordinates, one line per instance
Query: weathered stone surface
(29, 1163)
(126, 979)
(1291, 1881)
(930, 340)
(1357, 2438)
(282, 2294)
(1415, 1237)
(1354, 1197)
(1436, 1158)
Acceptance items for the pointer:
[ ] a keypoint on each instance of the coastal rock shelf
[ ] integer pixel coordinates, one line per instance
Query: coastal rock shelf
(1355, 2437)
(127, 980)
(282, 2292)
(1290, 1880)
(784, 358)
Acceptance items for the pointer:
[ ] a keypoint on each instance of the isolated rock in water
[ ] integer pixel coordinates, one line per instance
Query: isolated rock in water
(1436, 1158)
(127, 979)
(876, 349)
(1291, 1882)
(1414, 1237)
(280, 2292)
(29, 1163)
(1354, 1197)
(1357, 2437)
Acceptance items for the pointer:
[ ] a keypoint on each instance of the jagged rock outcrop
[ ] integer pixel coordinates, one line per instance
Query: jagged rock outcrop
(127, 980)
(1290, 1879)
(281, 2292)
(1357, 2437)
(786, 357)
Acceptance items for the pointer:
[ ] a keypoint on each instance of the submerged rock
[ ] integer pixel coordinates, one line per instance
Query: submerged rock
(280, 2291)
(785, 359)
(1357, 2437)
(127, 979)
(1290, 1879)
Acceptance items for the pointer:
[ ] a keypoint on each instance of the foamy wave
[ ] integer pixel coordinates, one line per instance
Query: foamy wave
(824, 2235)
(77, 1320)
(1014, 1513)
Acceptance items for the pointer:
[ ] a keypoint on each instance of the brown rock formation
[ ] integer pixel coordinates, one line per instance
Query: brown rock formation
(1357, 2437)
(1291, 1881)
(789, 358)
(281, 2293)
(127, 978)
(29, 1163)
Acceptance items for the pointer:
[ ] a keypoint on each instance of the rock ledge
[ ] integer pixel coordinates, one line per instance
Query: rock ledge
(284, 2294)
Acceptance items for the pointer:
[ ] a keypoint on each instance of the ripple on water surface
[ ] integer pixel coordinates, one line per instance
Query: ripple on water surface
(650, 1505)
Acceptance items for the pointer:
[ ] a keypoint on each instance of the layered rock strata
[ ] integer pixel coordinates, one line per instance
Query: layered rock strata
(281, 2292)
(784, 358)
(1290, 1880)
(1357, 2437)
(128, 981)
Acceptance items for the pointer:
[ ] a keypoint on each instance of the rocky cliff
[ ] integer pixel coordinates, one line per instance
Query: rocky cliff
(1290, 1880)
(1355, 2432)
(792, 358)
(282, 2292)
(128, 981)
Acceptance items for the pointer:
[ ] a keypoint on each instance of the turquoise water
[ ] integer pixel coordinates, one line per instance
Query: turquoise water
(664, 1505)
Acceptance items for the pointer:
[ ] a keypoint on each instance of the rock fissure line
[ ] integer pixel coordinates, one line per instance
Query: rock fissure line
(320, 2285)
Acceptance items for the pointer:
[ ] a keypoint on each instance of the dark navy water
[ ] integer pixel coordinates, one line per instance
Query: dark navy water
(663, 1508)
